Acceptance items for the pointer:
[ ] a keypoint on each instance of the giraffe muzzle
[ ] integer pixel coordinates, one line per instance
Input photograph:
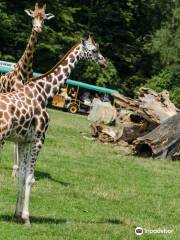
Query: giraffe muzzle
(103, 62)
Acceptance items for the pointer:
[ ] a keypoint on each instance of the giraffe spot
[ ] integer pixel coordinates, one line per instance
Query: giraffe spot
(34, 102)
(3, 128)
(17, 113)
(55, 82)
(48, 88)
(23, 111)
(43, 104)
(35, 93)
(6, 116)
(78, 48)
(65, 70)
(19, 104)
(3, 105)
(27, 115)
(28, 54)
(37, 111)
(55, 90)
(11, 109)
(65, 62)
(39, 98)
(1, 114)
(28, 92)
(29, 68)
(22, 119)
(72, 58)
(60, 77)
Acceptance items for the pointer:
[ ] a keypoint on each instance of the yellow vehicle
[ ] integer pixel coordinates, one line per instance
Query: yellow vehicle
(71, 96)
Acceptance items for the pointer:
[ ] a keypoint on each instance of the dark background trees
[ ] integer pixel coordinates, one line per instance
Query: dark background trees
(140, 38)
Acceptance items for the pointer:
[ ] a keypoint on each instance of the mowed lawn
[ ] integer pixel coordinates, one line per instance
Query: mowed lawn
(86, 190)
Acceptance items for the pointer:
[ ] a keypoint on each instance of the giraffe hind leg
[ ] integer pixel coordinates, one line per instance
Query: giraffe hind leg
(15, 161)
(35, 148)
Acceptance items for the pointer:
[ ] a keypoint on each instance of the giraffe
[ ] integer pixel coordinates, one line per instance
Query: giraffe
(24, 118)
(23, 70)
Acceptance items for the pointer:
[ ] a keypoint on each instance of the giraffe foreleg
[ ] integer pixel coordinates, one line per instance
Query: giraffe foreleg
(36, 146)
(23, 150)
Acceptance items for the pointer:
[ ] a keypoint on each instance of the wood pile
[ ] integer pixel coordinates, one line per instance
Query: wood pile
(150, 123)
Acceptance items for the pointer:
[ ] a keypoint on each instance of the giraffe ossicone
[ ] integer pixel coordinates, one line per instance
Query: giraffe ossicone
(24, 118)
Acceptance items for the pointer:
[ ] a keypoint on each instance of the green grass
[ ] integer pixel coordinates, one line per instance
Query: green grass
(86, 190)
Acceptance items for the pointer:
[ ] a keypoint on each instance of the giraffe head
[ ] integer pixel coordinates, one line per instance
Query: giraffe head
(90, 51)
(38, 16)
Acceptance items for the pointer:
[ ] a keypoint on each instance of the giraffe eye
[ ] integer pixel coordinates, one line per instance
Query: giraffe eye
(94, 50)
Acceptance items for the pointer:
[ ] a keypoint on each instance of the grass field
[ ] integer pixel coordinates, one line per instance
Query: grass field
(86, 190)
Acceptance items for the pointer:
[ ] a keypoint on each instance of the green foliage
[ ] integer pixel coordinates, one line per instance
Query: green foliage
(93, 73)
(140, 38)
(165, 45)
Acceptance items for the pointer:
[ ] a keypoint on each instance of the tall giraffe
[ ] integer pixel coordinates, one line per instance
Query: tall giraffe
(24, 118)
(23, 70)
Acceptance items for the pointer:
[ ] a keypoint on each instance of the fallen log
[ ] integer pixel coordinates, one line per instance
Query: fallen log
(139, 116)
(162, 142)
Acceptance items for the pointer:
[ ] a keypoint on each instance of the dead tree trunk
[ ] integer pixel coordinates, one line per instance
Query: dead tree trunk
(163, 141)
(139, 116)
(151, 123)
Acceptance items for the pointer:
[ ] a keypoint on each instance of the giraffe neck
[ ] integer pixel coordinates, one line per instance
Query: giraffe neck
(49, 84)
(23, 70)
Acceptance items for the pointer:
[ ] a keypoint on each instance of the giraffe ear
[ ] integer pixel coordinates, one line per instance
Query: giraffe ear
(29, 12)
(48, 16)
(44, 7)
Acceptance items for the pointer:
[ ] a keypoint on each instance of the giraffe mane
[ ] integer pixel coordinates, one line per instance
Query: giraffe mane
(53, 68)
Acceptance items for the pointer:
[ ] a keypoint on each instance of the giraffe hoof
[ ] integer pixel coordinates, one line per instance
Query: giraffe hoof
(18, 218)
(27, 222)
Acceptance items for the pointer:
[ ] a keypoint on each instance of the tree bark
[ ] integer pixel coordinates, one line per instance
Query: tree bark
(163, 141)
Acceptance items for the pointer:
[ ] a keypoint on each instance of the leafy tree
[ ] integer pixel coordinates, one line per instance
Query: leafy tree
(165, 45)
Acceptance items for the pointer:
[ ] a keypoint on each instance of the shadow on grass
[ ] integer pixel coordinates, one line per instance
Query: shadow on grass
(105, 221)
(49, 220)
(42, 175)
(33, 219)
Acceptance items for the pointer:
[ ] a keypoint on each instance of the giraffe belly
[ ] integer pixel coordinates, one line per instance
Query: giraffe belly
(23, 135)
